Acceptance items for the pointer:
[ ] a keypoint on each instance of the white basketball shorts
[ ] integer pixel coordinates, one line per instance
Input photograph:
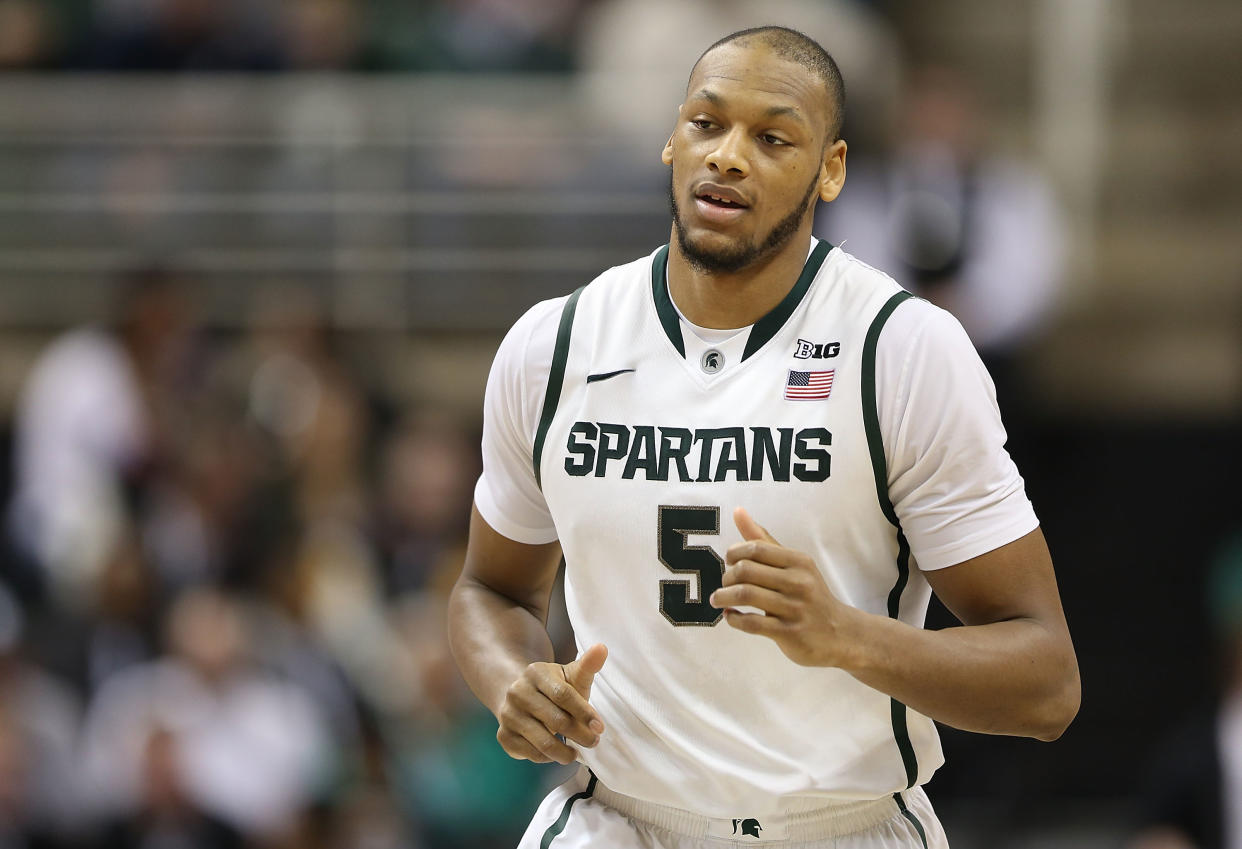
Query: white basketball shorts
(582, 813)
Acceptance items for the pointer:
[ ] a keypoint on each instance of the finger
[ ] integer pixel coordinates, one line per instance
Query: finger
(582, 671)
(519, 748)
(544, 741)
(753, 623)
(771, 553)
(749, 595)
(761, 575)
(749, 528)
(562, 710)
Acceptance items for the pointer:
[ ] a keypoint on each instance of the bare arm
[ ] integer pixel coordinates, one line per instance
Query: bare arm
(1009, 669)
(497, 623)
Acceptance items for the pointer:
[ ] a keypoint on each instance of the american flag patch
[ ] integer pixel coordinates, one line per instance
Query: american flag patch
(808, 385)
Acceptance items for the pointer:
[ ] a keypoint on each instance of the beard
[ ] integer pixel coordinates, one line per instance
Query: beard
(734, 258)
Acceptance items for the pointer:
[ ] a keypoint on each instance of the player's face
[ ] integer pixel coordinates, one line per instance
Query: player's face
(749, 157)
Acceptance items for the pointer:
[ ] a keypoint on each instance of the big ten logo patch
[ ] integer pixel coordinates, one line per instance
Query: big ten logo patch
(804, 350)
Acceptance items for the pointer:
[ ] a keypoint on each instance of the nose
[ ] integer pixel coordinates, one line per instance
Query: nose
(729, 155)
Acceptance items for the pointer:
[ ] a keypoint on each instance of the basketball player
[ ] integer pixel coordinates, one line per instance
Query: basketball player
(759, 457)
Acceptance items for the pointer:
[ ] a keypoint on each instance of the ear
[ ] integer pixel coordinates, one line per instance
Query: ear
(832, 171)
(667, 156)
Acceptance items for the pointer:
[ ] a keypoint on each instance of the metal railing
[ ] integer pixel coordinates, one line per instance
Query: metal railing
(407, 203)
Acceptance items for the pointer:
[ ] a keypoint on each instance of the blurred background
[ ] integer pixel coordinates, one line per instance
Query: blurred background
(255, 259)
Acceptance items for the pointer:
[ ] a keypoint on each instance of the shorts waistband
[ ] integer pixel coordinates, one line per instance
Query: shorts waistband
(832, 820)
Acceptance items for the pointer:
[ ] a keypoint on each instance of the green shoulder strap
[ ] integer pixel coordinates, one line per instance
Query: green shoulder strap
(556, 379)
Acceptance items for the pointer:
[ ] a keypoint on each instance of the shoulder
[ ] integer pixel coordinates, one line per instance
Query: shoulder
(903, 320)
(536, 327)
(912, 320)
(917, 322)
(924, 346)
(853, 285)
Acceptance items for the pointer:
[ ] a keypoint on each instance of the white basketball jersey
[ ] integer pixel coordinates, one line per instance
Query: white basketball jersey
(649, 438)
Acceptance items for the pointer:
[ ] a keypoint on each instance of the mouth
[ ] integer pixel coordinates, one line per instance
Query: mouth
(720, 196)
(719, 204)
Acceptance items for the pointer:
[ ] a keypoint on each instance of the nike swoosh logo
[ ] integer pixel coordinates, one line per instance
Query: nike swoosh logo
(592, 378)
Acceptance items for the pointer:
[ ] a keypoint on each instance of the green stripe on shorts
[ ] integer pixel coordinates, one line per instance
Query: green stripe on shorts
(557, 827)
(908, 814)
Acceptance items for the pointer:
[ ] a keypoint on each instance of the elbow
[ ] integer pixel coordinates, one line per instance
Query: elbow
(1059, 709)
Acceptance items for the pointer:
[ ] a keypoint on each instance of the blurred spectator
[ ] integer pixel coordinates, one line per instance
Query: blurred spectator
(287, 641)
(297, 393)
(27, 35)
(39, 718)
(1193, 797)
(322, 35)
(89, 423)
(976, 233)
(455, 780)
(119, 627)
(165, 815)
(294, 388)
(247, 748)
(426, 473)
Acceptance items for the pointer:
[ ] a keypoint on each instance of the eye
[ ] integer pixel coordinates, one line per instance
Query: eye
(701, 124)
(768, 138)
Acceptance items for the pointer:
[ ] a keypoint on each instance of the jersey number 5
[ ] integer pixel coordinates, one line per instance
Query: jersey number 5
(673, 525)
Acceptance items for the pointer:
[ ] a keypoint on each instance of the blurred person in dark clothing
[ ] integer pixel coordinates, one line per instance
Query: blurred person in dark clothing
(974, 232)
(166, 816)
(427, 469)
(117, 628)
(39, 718)
(1192, 798)
(288, 382)
(301, 399)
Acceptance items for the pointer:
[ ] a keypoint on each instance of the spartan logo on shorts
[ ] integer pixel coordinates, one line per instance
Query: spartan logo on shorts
(749, 827)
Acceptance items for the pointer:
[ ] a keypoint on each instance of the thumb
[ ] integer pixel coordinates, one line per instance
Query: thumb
(581, 672)
(750, 529)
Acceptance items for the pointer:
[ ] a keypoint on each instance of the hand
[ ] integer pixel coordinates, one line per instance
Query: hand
(803, 617)
(551, 699)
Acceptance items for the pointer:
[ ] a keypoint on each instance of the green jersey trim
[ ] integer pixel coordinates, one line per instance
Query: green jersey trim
(871, 411)
(763, 330)
(556, 379)
(768, 326)
(554, 830)
(875, 444)
(667, 313)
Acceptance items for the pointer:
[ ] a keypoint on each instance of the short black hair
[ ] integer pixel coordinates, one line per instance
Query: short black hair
(803, 50)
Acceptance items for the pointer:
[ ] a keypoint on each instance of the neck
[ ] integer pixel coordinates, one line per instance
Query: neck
(723, 301)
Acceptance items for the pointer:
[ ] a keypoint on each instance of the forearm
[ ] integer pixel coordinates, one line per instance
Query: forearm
(1016, 677)
(493, 639)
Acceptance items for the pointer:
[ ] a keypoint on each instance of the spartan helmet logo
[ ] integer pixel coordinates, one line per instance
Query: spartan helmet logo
(749, 827)
(712, 361)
